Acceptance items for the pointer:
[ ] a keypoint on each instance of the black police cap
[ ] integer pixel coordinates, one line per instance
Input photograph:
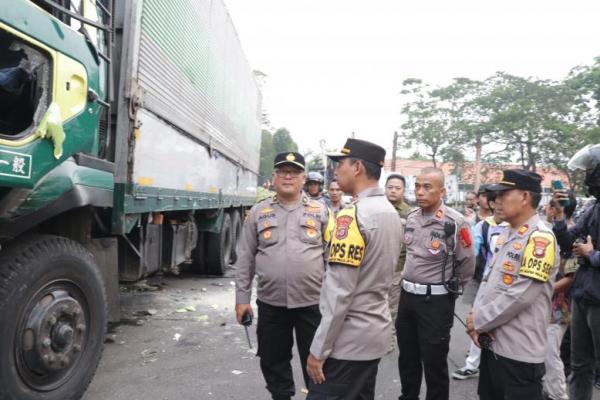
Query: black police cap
(291, 158)
(362, 150)
(518, 179)
(483, 188)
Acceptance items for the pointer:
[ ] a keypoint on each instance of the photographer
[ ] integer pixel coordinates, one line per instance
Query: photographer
(582, 240)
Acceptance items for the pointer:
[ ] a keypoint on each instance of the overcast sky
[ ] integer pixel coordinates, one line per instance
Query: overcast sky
(336, 66)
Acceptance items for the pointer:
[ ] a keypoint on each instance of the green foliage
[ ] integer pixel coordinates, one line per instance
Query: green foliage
(505, 118)
(316, 164)
(267, 154)
(271, 145)
(283, 142)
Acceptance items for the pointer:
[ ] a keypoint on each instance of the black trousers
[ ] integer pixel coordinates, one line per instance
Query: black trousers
(346, 380)
(585, 348)
(423, 331)
(501, 378)
(275, 328)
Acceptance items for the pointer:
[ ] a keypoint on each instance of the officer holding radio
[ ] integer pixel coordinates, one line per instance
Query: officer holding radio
(583, 240)
(439, 260)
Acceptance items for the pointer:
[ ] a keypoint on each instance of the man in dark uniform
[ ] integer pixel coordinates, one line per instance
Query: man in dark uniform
(583, 240)
(283, 244)
(439, 260)
(512, 309)
(356, 327)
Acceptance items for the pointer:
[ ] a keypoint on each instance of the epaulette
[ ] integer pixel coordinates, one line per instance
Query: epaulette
(454, 215)
(414, 210)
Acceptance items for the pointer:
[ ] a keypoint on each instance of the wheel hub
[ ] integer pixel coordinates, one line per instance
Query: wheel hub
(52, 336)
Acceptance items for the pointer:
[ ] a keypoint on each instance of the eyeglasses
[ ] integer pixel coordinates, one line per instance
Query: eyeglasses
(291, 172)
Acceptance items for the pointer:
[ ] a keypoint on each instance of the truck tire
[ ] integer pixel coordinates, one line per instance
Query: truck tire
(198, 265)
(218, 248)
(236, 232)
(53, 313)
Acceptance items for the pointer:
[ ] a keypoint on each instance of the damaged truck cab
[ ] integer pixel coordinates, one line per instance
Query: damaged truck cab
(129, 145)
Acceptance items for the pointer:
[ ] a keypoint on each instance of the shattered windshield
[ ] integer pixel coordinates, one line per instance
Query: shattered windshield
(24, 79)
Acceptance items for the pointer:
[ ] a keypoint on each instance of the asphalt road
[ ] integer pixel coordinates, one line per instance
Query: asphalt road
(182, 342)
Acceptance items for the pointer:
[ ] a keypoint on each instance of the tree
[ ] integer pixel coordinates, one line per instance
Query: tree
(427, 121)
(314, 162)
(282, 141)
(267, 154)
(271, 145)
(469, 103)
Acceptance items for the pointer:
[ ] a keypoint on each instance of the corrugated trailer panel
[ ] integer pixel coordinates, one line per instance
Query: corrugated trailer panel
(196, 77)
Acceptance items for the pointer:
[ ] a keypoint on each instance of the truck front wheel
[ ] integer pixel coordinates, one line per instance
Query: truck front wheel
(53, 313)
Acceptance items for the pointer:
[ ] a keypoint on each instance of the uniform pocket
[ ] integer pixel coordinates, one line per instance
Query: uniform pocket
(268, 232)
(310, 230)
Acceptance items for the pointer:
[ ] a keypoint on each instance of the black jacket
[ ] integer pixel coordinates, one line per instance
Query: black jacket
(587, 279)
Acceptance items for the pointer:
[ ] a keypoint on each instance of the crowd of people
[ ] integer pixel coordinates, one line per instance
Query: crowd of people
(354, 281)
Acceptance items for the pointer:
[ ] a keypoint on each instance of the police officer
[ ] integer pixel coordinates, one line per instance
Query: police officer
(314, 186)
(513, 305)
(282, 244)
(355, 330)
(583, 240)
(439, 260)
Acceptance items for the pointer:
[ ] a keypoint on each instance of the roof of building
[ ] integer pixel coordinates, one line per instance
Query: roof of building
(490, 173)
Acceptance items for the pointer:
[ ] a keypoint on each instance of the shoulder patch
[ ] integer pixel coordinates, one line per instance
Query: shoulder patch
(464, 235)
(538, 257)
(439, 214)
(347, 244)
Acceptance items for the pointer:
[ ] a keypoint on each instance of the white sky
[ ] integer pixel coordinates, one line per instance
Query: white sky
(336, 66)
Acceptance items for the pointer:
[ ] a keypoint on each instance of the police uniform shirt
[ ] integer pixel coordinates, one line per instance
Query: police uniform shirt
(403, 210)
(356, 322)
(514, 300)
(427, 246)
(284, 247)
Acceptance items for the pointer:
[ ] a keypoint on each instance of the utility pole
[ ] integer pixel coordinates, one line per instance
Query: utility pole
(394, 148)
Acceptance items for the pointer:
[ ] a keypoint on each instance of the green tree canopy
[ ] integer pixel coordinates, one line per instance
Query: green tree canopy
(505, 118)
(271, 145)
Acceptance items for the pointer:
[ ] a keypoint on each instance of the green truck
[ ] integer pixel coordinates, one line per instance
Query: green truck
(129, 145)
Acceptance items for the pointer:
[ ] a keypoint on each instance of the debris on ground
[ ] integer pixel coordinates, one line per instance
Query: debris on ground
(109, 339)
(141, 286)
(176, 337)
(217, 284)
(142, 313)
(238, 372)
(188, 308)
(202, 318)
(149, 355)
